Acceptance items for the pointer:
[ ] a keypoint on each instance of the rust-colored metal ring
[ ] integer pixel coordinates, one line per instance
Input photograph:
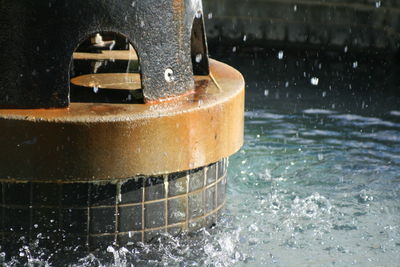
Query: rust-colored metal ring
(116, 141)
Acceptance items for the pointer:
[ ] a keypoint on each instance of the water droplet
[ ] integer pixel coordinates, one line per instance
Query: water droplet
(355, 64)
(234, 49)
(378, 4)
(295, 8)
(266, 92)
(198, 15)
(346, 49)
(199, 58)
(110, 249)
(210, 15)
(95, 89)
(244, 38)
(314, 81)
(97, 39)
(35, 226)
(280, 54)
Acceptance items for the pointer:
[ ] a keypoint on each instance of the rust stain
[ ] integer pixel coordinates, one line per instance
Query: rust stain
(113, 141)
(178, 6)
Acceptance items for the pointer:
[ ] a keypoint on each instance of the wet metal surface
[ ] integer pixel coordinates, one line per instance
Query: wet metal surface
(36, 56)
(114, 141)
(107, 55)
(125, 81)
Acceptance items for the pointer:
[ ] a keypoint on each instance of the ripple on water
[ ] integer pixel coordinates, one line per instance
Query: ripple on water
(360, 121)
(395, 113)
(319, 111)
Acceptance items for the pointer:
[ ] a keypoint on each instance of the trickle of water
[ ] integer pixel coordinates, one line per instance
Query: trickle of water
(280, 54)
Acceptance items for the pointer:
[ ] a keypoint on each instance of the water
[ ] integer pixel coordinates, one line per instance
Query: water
(317, 181)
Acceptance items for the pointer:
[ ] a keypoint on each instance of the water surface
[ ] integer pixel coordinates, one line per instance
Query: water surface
(318, 180)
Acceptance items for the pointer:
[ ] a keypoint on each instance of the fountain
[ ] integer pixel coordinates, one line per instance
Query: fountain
(316, 182)
(80, 173)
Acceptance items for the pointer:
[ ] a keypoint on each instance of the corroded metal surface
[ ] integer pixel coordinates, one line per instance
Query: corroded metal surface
(124, 81)
(38, 38)
(114, 141)
(107, 55)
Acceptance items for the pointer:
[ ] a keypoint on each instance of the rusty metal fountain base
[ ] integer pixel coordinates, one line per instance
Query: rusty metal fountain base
(92, 175)
(94, 215)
